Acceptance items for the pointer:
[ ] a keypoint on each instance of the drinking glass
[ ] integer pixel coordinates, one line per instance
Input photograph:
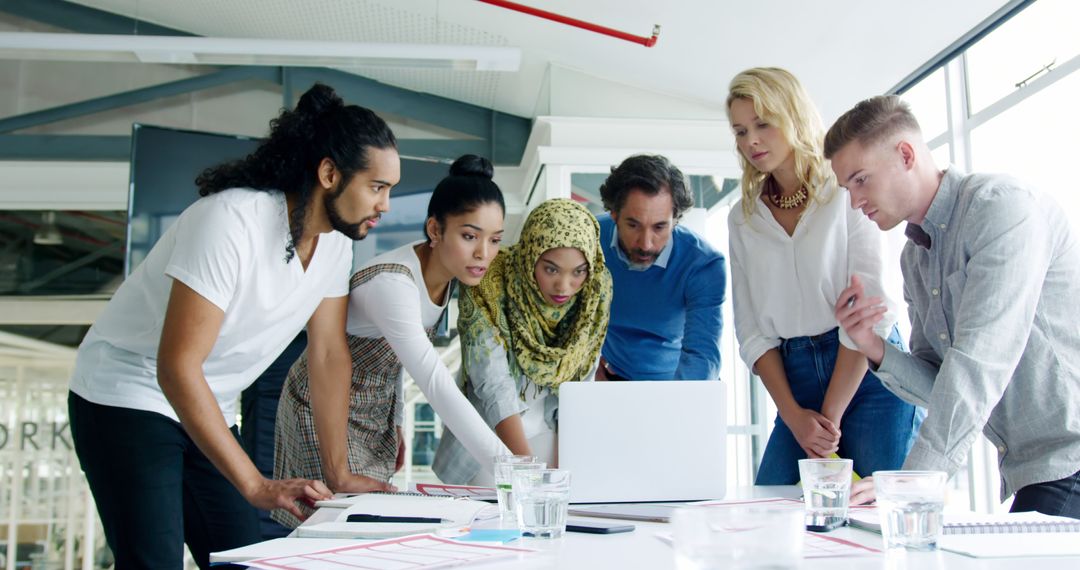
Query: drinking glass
(910, 505)
(505, 465)
(542, 497)
(707, 538)
(826, 487)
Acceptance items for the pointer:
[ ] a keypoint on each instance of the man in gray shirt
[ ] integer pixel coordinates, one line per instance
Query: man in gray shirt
(992, 281)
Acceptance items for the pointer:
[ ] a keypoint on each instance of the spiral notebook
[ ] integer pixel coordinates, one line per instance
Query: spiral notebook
(1007, 535)
(971, 523)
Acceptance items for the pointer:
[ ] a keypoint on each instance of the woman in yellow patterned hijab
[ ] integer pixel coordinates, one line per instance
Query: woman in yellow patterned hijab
(552, 343)
(537, 319)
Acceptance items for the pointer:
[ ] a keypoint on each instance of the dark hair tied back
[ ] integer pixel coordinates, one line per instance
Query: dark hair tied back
(321, 126)
(472, 165)
(318, 101)
(468, 187)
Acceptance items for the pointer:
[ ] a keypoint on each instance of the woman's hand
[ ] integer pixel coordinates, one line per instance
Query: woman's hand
(353, 483)
(817, 436)
(862, 492)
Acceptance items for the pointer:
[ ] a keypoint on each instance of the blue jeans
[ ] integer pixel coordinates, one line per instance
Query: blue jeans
(1059, 498)
(876, 431)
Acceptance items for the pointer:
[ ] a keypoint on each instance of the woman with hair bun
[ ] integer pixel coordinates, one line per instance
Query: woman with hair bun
(265, 251)
(349, 434)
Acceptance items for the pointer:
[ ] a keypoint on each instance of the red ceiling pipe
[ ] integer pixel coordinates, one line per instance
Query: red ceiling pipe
(647, 41)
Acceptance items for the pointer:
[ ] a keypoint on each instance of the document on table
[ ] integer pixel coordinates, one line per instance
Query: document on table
(278, 547)
(462, 491)
(444, 512)
(815, 545)
(1013, 545)
(413, 552)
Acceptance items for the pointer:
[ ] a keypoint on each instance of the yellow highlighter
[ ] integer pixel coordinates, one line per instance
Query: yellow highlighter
(854, 476)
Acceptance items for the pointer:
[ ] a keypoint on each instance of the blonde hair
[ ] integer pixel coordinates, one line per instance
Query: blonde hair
(780, 100)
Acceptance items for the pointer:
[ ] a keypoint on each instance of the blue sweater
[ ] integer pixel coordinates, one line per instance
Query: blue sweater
(666, 321)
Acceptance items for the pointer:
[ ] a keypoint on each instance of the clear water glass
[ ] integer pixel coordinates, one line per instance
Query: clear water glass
(713, 537)
(541, 497)
(505, 465)
(909, 505)
(826, 489)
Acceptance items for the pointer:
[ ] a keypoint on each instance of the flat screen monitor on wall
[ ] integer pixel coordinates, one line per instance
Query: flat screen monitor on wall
(164, 164)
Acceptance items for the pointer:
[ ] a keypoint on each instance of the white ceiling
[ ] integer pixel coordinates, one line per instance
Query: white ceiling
(843, 50)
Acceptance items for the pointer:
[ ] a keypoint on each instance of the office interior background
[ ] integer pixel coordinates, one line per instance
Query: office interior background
(994, 84)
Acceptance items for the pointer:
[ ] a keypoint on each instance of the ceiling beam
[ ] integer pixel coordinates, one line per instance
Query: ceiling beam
(140, 95)
(504, 135)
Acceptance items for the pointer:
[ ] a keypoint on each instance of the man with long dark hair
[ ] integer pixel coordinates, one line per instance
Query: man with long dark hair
(265, 251)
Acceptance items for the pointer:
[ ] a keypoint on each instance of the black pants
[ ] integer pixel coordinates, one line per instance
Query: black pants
(258, 410)
(1060, 498)
(154, 489)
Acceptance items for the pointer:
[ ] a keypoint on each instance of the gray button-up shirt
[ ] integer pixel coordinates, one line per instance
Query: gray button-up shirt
(994, 301)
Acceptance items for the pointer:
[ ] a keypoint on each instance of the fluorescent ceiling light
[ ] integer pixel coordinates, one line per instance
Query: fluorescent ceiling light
(253, 51)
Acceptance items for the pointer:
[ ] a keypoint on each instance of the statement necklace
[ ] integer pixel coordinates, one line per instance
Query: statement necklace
(772, 190)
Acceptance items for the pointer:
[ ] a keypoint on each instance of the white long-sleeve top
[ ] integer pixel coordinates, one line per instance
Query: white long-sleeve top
(399, 309)
(787, 286)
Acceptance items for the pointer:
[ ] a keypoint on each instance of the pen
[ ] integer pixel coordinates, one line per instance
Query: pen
(851, 301)
(390, 519)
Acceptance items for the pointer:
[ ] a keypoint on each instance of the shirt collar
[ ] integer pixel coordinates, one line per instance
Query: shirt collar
(661, 260)
(936, 223)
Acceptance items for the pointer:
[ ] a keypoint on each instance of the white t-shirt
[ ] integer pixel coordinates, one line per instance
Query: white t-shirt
(229, 248)
(787, 286)
(399, 309)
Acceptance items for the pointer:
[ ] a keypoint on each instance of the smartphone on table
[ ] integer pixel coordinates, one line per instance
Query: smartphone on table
(597, 527)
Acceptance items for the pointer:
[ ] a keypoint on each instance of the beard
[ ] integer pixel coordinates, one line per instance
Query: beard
(355, 232)
(632, 254)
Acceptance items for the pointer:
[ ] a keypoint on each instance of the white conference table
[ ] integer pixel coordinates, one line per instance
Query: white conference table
(642, 549)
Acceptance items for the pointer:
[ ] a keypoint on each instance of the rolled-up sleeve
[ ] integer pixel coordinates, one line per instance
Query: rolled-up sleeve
(752, 342)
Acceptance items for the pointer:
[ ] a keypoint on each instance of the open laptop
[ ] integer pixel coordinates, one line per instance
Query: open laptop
(643, 441)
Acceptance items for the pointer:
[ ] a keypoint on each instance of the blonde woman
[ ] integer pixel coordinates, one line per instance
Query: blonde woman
(794, 246)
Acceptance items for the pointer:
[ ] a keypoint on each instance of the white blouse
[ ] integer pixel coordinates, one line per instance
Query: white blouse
(399, 309)
(787, 286)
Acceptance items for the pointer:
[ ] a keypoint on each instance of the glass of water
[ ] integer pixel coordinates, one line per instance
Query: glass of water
(910, 504)
(826, 487)
(737, 537)
(505, 465)
(541, 497)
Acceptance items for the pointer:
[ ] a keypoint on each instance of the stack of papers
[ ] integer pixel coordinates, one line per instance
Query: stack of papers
(447, 512)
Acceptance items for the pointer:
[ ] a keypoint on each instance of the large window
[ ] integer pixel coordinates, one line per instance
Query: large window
(1008, 104)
